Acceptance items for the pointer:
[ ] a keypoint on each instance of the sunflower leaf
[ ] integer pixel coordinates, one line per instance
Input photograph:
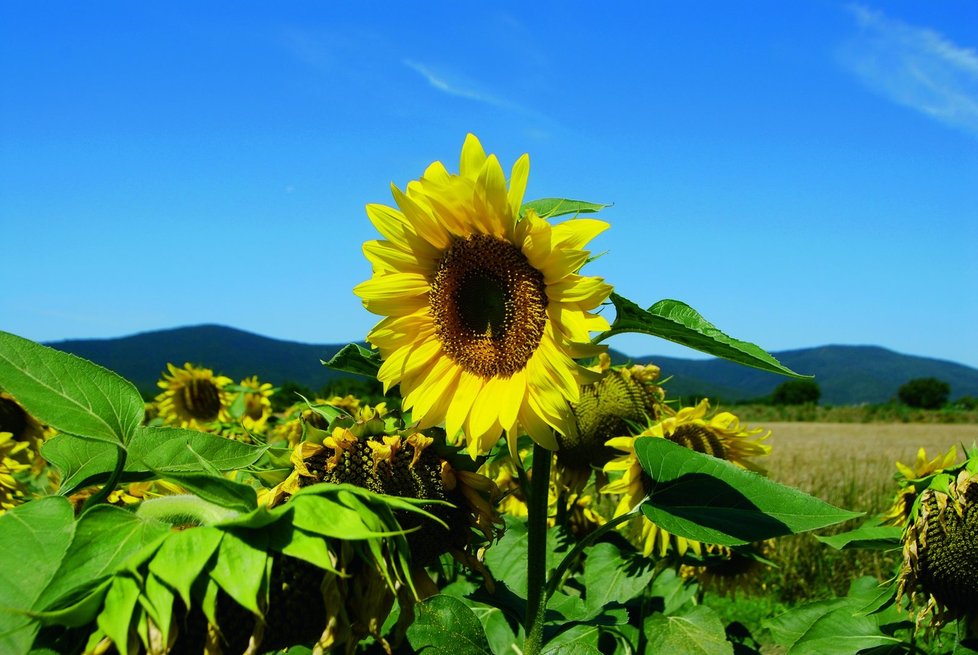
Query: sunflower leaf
(34, 537)
(183, 556)
(445, 626)
(105, 537)
(700, 497)
(354, 358)
(176, 449)
(696, 630)
(678, 322)
(118, 611)
(551, 207)
(69, 393)
(239, 568)
(610, 578)
(83, 462)
(214, 488)
(874, 537)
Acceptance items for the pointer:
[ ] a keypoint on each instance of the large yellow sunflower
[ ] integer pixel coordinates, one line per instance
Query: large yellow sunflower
(484, 310)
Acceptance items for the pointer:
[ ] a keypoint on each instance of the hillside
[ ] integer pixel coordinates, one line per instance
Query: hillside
(142, 358)
(847, 375)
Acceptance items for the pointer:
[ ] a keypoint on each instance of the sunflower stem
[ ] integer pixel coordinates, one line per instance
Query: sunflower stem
(536, 550)
(184, 509)
(571, 557)
(102, 494)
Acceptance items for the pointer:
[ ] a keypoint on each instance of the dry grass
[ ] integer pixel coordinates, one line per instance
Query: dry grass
(850, 465)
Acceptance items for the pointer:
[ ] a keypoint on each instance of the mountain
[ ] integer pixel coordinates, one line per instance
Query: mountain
(847, 375)
(142, 358)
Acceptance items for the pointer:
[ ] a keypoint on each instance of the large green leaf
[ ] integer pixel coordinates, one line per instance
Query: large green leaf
(176, 449)
(506, 560)
(84, 462)
(354, 358)
(33, 539)
(215, 488)
(710, 500)
(183, 556)
(676, 321)
(67, 392)
(551, 207)
(610, 578)
(105, 537)
(445, 626)
(240, 567)
(696, 630)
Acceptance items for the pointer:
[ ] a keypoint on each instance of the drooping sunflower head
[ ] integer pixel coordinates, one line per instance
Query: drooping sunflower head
(408, 464)
(192, 397)
(940, 549)
(624, 397)
(727, 571)
(21, 438)
(911, 480)
(485, 309)
(720, 436)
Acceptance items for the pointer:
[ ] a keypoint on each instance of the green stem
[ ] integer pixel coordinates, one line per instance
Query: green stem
(536, 550)
(587, 540)
(183, 509)
(113, 481)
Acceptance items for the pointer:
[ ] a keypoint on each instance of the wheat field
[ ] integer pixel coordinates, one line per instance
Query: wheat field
(850, 465)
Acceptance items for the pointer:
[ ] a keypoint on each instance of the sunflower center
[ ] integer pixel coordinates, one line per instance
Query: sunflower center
(698, 438)
(489, 306)
(201, 399)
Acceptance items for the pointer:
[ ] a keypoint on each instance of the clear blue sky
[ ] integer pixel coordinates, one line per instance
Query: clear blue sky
(802, 173)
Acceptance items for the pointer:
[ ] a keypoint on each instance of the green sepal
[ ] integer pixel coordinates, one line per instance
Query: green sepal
(69, 393)
(183, 556)
(239, 567)
(678, 322)
(701, 497)
(118, 612)
(553, 207)
(354, 358)
(157, 601)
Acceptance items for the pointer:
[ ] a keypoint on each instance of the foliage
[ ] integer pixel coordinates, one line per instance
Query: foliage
(925, 393)
(796, 392)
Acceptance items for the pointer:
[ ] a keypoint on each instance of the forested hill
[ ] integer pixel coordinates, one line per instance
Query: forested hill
(846, 374)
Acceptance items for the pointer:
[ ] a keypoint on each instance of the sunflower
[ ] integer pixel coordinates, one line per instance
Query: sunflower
(484, 309)
(940, 549)
(910, 479)
(192, 397)
(21, 437)
(727, 570)
(257, 406)
(720, 435)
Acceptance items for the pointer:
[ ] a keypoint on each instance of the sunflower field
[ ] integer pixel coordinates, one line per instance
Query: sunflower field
(514, 492)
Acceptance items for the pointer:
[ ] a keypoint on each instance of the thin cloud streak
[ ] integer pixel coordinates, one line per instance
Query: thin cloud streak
(916, 67)
(439, 82)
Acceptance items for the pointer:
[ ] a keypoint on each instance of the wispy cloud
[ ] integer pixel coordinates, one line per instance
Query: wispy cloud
(916, 67)
(460, 88)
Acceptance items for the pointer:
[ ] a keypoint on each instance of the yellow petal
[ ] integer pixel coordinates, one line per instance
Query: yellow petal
(517, 183)
(473, 157)
(577, 232)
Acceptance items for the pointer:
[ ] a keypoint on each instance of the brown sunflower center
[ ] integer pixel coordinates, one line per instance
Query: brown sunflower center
(698, 438)
(201, 399)
(489, 306)
(13, 419)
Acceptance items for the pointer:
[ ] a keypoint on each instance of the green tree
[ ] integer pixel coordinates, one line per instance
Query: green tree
(796, 392)
(924, 393)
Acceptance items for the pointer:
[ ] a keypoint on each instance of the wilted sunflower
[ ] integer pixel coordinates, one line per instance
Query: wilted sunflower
(910, 479)
(940, 548)
(624, 396)
(193, 397)
(485, 309)
(726, 570)
(720, 435)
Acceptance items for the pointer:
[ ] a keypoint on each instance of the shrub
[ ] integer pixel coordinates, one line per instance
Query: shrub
(796, 392)
(924, 393)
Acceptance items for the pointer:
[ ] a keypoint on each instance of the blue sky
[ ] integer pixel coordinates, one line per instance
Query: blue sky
(802, 173)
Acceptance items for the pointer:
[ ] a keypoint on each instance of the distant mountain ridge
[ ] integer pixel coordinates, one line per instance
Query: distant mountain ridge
(847, 375)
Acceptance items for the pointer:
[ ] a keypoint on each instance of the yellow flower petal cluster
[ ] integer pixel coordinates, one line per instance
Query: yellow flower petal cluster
(192, 397)
(485, 310)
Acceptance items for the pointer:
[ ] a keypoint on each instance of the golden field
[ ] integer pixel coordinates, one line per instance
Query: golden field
(850, 465)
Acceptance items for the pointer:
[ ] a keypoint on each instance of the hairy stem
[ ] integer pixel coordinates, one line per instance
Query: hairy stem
(184, 509)
(536, 550)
